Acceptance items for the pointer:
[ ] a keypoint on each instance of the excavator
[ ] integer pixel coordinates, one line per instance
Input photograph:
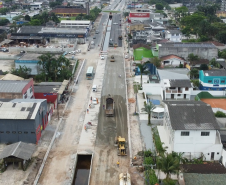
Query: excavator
(121, 143)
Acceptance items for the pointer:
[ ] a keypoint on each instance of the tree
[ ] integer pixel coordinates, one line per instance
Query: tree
(27, 18)
(150, 177)
(221, 37)
(203, 67)
(220, 114)
(17, 18)
(3, 11)
(143, 70)
(126, 14)
(23, 72)
(168, 164)
(194, 73)
(192, 57)
(159, 6)
(214, 63)
(148, 108)
(196, 83)
(156, 61)
(4, 22)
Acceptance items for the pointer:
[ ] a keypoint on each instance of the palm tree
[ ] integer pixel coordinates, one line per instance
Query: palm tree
(143, 70)
(169, 164)
(148, 108)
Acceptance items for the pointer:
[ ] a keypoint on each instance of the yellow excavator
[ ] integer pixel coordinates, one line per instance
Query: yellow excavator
(121, 143)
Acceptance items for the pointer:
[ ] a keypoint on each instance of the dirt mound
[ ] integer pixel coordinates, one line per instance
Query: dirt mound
(131, 100)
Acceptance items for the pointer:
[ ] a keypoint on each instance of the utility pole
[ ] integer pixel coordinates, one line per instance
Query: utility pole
(57, 107)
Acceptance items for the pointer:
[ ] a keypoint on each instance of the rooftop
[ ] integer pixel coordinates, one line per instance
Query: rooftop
(12, 86)
(172, 56)
(173, 31)
(75, 21)
(180, 83)
(11, 77)
(69, 10)
(30, 56)
(46, 89)
(191, 115)
(188, 45)
(166, 74)
(215, 72)
(199, 61)
(19, 110)
(20, 150)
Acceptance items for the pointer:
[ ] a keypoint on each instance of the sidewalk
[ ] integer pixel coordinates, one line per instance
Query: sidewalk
(88, 136)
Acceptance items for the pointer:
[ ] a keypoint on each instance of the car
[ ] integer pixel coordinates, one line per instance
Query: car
(126, 56)
(115, 23)
(102, 57)
(97, 31)
(72, 52)
(22, 51)
(94, 37)
(94, 101)
(5, 50)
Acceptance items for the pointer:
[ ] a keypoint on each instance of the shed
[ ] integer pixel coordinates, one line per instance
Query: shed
(19, 152)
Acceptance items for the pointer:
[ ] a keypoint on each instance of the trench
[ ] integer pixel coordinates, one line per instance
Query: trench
(82, 170)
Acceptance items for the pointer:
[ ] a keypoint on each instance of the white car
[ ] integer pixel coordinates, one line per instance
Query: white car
(94, 101)
(126, 56)
(115, 23)
(102, 57)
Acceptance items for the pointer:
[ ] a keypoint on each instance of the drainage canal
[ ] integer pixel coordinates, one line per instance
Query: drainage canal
(82, 170)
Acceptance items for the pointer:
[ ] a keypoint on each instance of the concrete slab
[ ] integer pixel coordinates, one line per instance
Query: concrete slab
(147, 135)
(164, 139)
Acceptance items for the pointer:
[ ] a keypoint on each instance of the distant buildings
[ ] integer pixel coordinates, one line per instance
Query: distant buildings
(71, 11)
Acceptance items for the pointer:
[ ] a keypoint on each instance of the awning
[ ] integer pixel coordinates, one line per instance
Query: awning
(26, 37)
(158, 110)
(20, 150)
(6, 41)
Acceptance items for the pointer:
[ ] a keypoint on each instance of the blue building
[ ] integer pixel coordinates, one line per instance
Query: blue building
(212, 80)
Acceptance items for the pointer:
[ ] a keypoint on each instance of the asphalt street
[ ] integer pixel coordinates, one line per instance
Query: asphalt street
(116, 29)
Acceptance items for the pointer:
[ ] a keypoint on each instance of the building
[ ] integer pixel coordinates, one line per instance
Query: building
(212, 80)
(158, 17)
(11, 89)
(223, 5)
(172, 60)
(41, 34)
(172, 35)
(196, 63)
(136, 26)
(138, 16)
(222, 63)
(71, 11)
(176, 89)
(30, 60)
(190, 127)
(22, 120)
(36, 5)
(203, 50)
(77, 24)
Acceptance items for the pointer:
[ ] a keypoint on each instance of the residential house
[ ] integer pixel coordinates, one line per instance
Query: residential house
(172, 35)
(190, 127)
(222, 63)
(212, 80)
(203, 50)
(176, 89)
(197, 63)
(172, 60)
(221, 13)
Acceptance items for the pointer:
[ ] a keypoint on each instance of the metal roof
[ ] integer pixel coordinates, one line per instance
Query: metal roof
(19, 110)
(20, 150)
(12, 86)
(180, 83)
(215, 72)
(191, 115)
(188, 45)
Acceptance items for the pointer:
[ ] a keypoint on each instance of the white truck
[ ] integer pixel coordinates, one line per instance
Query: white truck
(124, 179)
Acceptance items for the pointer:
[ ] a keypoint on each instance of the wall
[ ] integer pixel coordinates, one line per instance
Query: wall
(29, 64)
(152, 88)
(206, 53)
(29, 89)
(224, 157)
(213, 93)
(50, 97)
(17, 126)
(173, 62)
(11, 95)
(195, 143)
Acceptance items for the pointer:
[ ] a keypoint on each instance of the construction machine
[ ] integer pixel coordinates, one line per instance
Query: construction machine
(121, 143)
(124, 179)
(112, 59)
(120, 37)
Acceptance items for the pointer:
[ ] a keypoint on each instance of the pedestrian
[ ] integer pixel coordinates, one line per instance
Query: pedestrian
(87, 111)
(85, 128)
(97, 100)
(91, 99)
(89, 105)
(103, 106)
(118, 163)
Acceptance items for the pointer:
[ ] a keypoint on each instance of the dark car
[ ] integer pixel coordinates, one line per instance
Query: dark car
(22, 51)
(94, 37)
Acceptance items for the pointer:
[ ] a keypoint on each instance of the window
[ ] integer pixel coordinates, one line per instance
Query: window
(26, 132)
(184, 133)
(14, 132)
(222, 81)
(32, 132)
(209, 81)
(178, 94)
(205, 133)
(19, 132)
(217, 153)
(25, 95)
(186, 88)
(7, 132)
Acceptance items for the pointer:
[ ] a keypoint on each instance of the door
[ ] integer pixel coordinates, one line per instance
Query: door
(184, 96)
(172, 96)
(212, 156)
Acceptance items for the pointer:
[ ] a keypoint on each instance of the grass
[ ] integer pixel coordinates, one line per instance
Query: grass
(142, 52)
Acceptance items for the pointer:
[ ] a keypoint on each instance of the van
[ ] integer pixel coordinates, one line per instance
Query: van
(94, 88)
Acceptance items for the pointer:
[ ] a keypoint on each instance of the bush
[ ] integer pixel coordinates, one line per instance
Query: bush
(169, 182)
(158, 143)
(220, 114)
(147, 153)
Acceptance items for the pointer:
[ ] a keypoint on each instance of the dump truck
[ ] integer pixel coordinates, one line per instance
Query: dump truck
(109, 109)
(121, 144)
(112, 59)
(124, 179)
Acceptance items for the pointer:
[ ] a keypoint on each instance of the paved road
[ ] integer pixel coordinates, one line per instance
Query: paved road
(116, 29)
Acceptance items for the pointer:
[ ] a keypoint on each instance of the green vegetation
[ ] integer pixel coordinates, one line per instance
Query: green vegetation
(3, 11)
(195, 82)
(53, 69)
(4, 22)
(113, 11)
(136, 87)
(141, 52)
(23, 72)
(156, 61)
(159, 6)
(56, 3)
(148, 108)
(151, 178)
(220, 114)
(158, 143)
(92, 16)
(143, 70)
(194, 73)
(41, 19)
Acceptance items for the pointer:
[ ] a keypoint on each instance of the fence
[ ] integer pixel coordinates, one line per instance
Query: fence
(207, 95)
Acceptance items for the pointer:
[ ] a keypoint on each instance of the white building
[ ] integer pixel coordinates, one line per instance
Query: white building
(172, 60)
(173, 35)
(191, 127)
(78, 24)
(36, 5)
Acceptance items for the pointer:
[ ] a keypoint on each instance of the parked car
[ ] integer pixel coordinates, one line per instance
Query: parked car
(94, 101)
(22, 52)
(94, 37)
(5, 50)
(102, 57)
(97, 31)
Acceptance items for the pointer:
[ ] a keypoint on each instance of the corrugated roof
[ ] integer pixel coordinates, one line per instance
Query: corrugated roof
(223, 63)
(12, 86)
(191, 115)
(180, 83)
(69, 10)
(20, 150)
(188, 45)
(11, 77)
(23, 110)
(199, 61)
